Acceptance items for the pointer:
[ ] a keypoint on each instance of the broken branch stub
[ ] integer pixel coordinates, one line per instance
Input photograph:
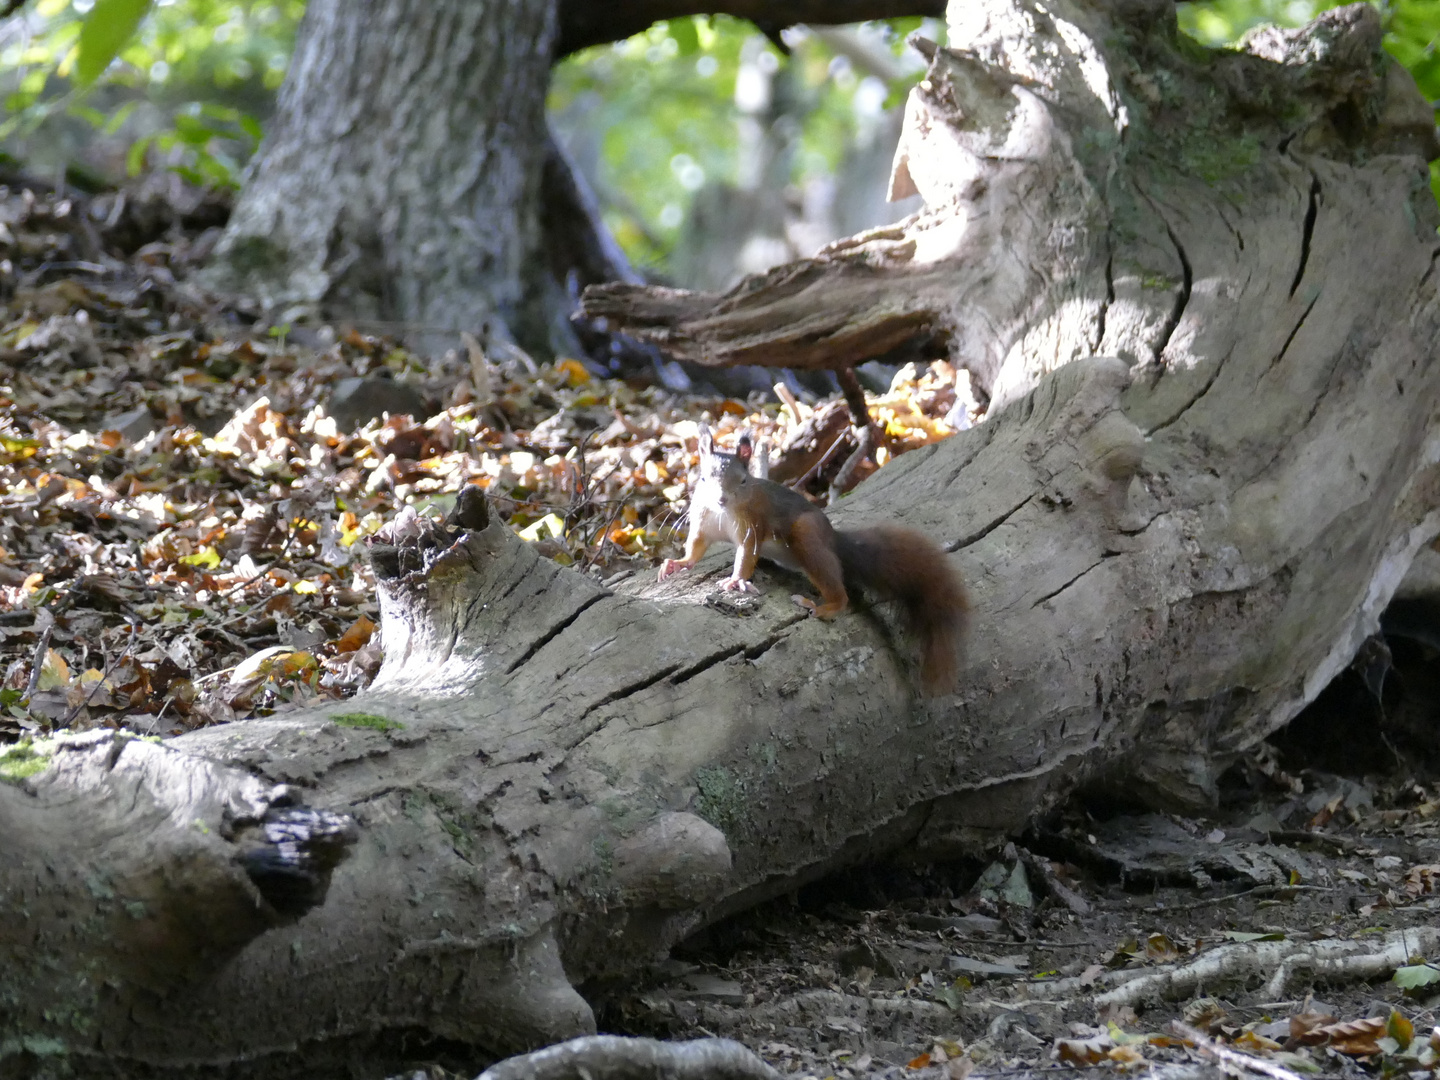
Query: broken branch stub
(1212, 455)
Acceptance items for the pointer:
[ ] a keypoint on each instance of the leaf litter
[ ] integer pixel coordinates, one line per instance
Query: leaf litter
(182, 486)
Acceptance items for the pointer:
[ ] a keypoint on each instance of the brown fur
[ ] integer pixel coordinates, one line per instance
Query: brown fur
(897, 564)
(910, 568)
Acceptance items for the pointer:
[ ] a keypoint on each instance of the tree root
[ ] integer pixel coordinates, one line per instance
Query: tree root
(1278, 964)
(613, 1057)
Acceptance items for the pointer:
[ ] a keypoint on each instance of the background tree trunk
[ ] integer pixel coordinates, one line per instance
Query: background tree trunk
(408, 180)
(400, 180)
(1171, 547)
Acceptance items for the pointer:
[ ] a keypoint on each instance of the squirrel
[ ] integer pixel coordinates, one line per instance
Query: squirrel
(761, 517)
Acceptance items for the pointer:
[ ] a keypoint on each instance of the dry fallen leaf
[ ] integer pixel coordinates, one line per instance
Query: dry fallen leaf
(1356, 1038)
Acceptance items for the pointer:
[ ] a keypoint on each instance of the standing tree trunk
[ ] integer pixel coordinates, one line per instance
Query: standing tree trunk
(401, 178)
(409, 180)
(1200, 287)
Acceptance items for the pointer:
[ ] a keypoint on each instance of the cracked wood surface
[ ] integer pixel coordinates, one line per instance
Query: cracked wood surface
(1211, 457)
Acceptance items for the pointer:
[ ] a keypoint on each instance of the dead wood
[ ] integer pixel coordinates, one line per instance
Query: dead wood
(1212, 455)
(1276, 965)
(610, 1057)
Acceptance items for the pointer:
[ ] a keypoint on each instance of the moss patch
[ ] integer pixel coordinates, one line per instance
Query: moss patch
(367, 720)
(722, 799)
(24, 759)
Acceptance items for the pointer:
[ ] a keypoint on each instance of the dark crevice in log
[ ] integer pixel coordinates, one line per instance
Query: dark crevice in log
(291, 858)
(510, 589)
(1066, 585)
(684, 675)
(631, 689)
(1293, 331)
(754, 652)
(1109, 293)
(1429, 270)
(554, 632)
(1182, 300)
(1311, 212)
(750, 652)
(1190, 402)
(985, 530)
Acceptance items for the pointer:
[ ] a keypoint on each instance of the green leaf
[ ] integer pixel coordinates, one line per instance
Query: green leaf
(1416, 975)
(135, 157)
(207, 557)
(251, 126)
(119, 116)
(685, 35)
(108, 28)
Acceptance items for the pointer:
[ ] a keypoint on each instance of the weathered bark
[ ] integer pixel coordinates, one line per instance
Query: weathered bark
(400, 180)
(1214, 453)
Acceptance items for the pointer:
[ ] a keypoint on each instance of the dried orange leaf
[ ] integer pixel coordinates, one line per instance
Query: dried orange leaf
(53, 671)
(356, 637)
(1090, 1051)
(1127, 1057)
(1358, 1038)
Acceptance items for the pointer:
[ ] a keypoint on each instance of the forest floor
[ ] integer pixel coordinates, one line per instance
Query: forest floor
(1256, 926)
(184, 493)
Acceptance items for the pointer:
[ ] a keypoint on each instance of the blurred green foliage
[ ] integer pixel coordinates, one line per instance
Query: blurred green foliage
(185, 90)
(656, 117)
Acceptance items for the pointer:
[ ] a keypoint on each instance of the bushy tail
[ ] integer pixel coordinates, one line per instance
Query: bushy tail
(909, 567)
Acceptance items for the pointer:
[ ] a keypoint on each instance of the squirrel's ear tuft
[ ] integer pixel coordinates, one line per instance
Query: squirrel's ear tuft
(707, 442)
(744, 448)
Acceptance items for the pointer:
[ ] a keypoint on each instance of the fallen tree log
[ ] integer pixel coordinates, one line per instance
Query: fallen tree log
(1200, 290)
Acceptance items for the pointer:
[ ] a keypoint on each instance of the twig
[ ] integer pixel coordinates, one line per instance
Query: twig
(1257, 890)
(855, 400)
(75, 711)
(1058, 889)
(1225, 1055)
(814, 470)
(36, 664)
(845, 478)
(787, 397)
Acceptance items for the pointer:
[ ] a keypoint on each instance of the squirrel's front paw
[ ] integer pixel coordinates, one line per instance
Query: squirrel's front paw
(671, 566)
(734, 584)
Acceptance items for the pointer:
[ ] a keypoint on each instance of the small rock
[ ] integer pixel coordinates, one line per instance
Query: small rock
(132, 426)
(355, 401)
(865, 955)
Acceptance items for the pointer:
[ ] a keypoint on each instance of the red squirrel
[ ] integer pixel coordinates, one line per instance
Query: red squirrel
(760, 517)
